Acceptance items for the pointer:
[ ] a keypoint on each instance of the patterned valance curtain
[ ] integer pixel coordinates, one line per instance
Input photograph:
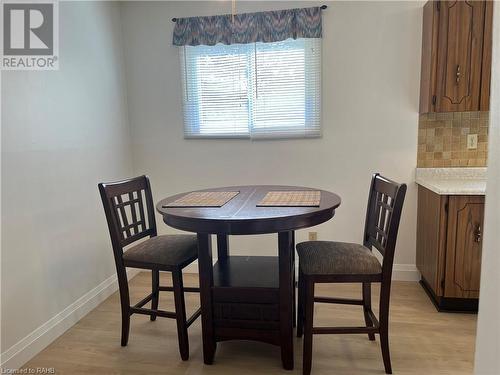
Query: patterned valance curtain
(273, 26)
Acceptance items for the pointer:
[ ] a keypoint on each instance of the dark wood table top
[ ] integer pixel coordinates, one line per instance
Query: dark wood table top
(242, 216)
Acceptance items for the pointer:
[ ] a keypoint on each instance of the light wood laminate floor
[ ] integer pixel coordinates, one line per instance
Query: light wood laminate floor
(422, 340)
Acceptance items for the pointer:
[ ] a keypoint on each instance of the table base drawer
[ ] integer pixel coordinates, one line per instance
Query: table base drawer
(263, 335)
(259, 296)
(246, 311)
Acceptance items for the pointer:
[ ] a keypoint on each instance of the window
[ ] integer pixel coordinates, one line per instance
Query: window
(257, 90)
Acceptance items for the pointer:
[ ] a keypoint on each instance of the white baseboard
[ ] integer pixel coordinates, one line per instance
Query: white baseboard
(400, 272)
(21, 352)
(405, 272)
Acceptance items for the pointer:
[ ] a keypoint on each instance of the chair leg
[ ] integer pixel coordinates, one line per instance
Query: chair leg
(155, 286)
(294, 307)
(300, 305)
(367, 306)
(125, 305)
(384, 326)
(180, 311)
(308, 325)
(294, 292)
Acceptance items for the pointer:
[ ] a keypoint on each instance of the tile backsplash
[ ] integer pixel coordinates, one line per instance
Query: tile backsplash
(442, 139)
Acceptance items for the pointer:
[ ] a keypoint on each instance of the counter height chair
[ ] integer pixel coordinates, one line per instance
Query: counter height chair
(339, 262)
(128, 206)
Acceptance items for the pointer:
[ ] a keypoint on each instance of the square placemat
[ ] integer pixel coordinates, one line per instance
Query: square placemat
(204, 199)
(302, 198)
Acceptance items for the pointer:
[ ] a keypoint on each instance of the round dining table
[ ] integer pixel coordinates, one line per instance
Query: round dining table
(248, 297)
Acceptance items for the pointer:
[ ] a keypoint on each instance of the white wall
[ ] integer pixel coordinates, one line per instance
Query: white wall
(62, 133)
(371, 68)
(487, 361)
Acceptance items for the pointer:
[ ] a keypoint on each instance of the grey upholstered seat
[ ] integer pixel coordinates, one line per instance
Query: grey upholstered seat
(336, 258)
(168, 250)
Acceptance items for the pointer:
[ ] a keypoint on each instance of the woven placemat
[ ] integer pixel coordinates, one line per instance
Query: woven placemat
(303, 198)
(204, 199)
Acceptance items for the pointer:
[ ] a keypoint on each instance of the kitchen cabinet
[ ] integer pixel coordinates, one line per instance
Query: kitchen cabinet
(449, 244)
(456, 56)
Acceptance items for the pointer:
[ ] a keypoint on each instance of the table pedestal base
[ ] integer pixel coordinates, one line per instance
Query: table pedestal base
(248, 297)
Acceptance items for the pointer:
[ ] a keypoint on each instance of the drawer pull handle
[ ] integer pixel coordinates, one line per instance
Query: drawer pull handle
(477, 233)
(458, 74)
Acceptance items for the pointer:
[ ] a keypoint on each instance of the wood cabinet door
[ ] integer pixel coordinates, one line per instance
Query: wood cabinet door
(464, 243)
(432, 222)
(430, 27)
(484, 104)
(460, 50)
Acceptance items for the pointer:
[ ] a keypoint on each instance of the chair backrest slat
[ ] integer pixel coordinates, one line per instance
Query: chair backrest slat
(134, 212)
(383, 215)
(141, 211)
(122, 215)
(125, 203)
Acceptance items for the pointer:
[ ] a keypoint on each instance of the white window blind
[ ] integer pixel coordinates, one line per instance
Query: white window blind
(259, 90)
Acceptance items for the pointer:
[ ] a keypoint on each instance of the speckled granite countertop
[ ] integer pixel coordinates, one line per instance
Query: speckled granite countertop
(452, 181)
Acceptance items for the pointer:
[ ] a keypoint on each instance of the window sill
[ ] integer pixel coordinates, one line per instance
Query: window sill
(254, 138)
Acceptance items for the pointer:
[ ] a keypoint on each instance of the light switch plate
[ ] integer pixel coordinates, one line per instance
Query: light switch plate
(471, 141)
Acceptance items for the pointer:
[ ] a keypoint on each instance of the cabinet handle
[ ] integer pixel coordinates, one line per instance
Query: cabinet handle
(477, 233)
(458, 74)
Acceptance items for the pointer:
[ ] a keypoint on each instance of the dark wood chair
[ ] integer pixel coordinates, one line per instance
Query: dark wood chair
(339, 262)
(129, 212)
